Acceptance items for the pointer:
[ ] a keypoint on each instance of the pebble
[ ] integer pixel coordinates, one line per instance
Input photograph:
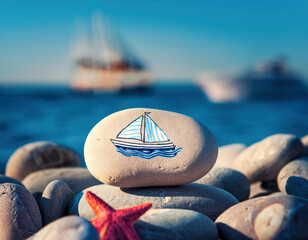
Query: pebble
(55, 200)
(68, 228)
(259, 189)
(228, 179)
(227, 154)
(263, 160)
(37, 156)
(20, 216)
(293, 178)
(207, 200)
(278, 216)
(180, 224)
(305, 143)
(196, 145)
(77, 179)
(6, 179)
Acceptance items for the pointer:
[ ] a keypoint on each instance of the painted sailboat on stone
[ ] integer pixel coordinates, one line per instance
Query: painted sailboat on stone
(143, 138)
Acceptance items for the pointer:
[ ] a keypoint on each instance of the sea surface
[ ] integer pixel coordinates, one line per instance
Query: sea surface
(35, 113)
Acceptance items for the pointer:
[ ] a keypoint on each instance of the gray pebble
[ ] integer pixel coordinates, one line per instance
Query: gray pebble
(227, 154)
(228, 179)
(278, 216)
(180, 224)
(20, 216)
(55, 199)
(263, 160)
(293, 178)
(208, 200)
(37, 156)
(68, 228)
(76, 178)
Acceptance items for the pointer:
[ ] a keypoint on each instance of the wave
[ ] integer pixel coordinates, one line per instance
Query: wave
(148, 154)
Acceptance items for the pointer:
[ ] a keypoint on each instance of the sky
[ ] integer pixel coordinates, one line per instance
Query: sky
(176, 39)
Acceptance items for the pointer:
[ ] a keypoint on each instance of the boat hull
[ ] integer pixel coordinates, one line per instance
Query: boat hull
(107, 80)
(143, 146)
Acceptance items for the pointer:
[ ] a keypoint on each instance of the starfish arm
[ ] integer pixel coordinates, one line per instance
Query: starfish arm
(97, 204)
(108, 232)
(115, 224)
(131, 234)
(132, 214)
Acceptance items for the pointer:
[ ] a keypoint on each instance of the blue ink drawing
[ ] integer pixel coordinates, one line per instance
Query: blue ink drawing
(152, 141)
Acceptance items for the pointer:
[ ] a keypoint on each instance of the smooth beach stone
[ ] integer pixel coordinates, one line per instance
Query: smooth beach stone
(37, 156)
(263, 160)
(6, 179)
(278, 216)
(68, 228)
(55, 200)
(228, 179)
(20, 216)
(227, 154)
(193, 156)
(169, 224)
(260, 189)
(77, 179)
(305, 143)
(293, 178)
(207, 200)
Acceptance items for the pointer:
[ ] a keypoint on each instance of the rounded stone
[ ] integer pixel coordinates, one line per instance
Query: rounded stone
(207, 200)
(68, 228)
(278, 216)
(20, 216)
(228, 179)
(263, 160)
(194, 154)
(227, 154)
(37, 156)
(293, 178)
(55, 200)
(6, 179)
(77, 179)
(166, 224)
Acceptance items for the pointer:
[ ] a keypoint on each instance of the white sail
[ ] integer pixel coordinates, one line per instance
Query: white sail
(133, 130)
(152, 132)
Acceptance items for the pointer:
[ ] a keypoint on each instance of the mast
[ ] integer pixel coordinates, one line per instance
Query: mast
(143, 119)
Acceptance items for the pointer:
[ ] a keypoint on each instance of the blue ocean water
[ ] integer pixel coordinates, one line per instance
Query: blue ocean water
(35, 113)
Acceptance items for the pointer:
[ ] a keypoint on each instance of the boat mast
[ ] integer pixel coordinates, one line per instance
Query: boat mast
(143, 119)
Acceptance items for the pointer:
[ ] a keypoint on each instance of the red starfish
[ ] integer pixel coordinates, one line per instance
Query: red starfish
(115, 224)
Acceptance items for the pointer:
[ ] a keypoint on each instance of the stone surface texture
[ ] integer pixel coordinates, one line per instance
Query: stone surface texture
(228, 179)
(37, 156)
(197, 157)
(278, 216)
(227, 154)
(20, 216)
(168, 224)
(293, 178)
(76, 178)
(207, 200)
(67, 228)
(55, 200)
(263, 160)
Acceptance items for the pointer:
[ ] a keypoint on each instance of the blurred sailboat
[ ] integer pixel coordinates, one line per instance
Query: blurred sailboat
(270, 80)
(104, 62)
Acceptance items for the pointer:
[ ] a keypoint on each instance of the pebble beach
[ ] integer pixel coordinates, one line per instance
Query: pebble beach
(195, 186)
